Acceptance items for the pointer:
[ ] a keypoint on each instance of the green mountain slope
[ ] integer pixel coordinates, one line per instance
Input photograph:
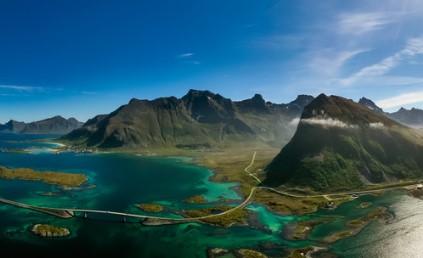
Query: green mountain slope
(200, 119)
(340, 145)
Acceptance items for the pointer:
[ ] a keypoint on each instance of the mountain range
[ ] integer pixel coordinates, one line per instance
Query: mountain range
(200, 119)
(54, 125)
(330, 143)
(410, 117)
(340, 144)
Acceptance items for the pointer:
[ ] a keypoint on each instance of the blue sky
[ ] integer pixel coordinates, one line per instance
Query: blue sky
(82, 58)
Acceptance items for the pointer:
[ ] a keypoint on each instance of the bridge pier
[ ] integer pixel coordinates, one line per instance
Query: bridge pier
(85, 215)
(124, 219)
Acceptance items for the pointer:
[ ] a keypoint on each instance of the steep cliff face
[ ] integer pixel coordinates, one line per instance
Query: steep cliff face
(198, 119)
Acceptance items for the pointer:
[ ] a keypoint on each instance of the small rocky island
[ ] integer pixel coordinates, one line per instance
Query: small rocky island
(239, 253)
(49, 231)
(48, 177)
(238, 216)
(150, 207)
(196, 199)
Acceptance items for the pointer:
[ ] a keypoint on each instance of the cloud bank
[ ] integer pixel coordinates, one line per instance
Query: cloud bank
(401, 100)
(327, 122)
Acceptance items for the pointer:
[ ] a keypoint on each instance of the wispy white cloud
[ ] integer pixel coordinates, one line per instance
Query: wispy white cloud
(361, 23)
(188, 58)
(327, 122)
(401, 100)
(20, 88)
(377, 125)
(186, 55)
(295, 121)
(328, 63)
(413, 47)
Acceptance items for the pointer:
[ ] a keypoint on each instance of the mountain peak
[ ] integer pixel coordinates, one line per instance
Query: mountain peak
(322, 96)
(344, 110)
(258, 96)
(370, 104)
(198, 93)
(11, 122)
(58, 117)
(258, 100)
(302, 100)
(133, 100)
(254, 104)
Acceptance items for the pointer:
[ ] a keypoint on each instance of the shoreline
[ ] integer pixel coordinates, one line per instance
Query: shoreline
(218, 175)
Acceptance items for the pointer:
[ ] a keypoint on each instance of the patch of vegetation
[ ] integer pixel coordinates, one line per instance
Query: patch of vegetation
(150, 207)
(238, 216)
(356, 225)
(248, 253)
(230, 163)
(48, 177)
(239, 253)
(289, 205)
(335, 173)
(300, 230)
(364, 205)
(45, 230)
(295, 205)
(299, 253)
(196, 199)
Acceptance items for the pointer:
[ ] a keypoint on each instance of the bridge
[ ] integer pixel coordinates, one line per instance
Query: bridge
(61, 213)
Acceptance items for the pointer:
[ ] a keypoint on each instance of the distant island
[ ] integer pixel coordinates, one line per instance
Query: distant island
(53, 125)
(48, 177)
(44, 230)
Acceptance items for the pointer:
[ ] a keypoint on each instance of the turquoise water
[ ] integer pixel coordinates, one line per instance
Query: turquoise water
(119, 181)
